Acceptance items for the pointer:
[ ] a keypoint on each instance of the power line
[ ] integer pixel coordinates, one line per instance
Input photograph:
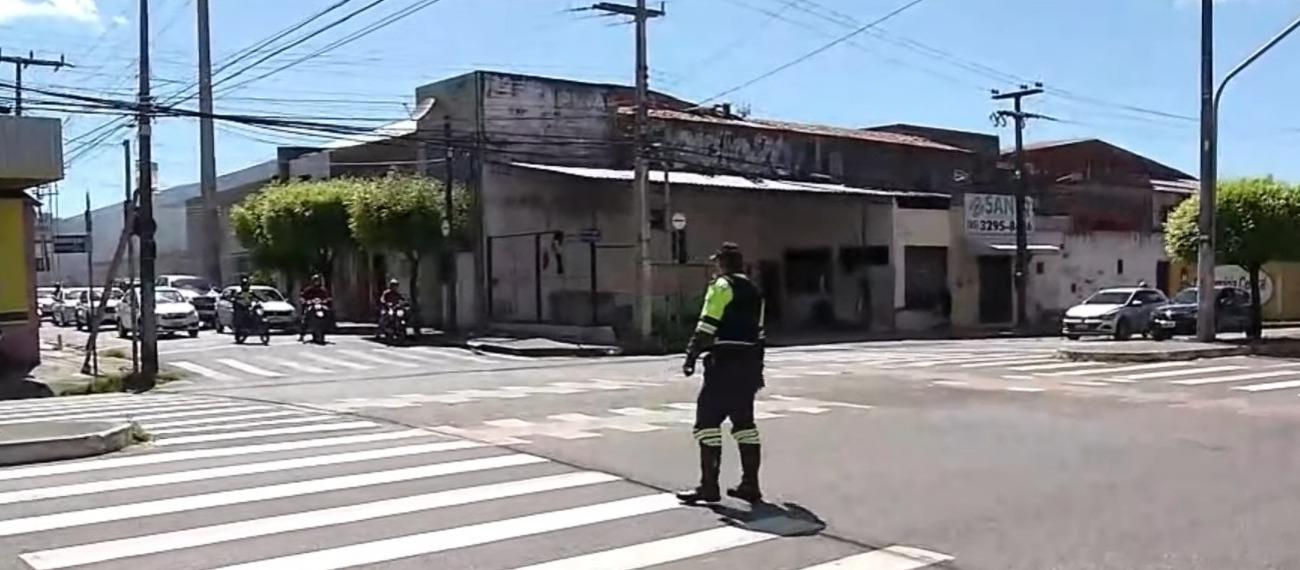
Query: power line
(813, 53)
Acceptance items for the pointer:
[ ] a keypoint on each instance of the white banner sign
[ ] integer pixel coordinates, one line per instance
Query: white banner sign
(1237, 276)
(995, 214)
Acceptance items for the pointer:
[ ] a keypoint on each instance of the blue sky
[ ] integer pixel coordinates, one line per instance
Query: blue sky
(933, 64)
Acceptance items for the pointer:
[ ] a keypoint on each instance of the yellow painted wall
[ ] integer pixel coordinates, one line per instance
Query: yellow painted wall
(1285, 304)
(14, 248)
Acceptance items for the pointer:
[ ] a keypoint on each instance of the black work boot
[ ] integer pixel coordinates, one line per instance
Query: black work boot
(710, 465)
(751, 455)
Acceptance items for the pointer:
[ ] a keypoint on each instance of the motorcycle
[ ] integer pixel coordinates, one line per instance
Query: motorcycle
(252, 321)
(316, 319)
(393, 322)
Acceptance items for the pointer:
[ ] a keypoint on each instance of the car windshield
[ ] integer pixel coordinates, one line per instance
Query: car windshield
(1108, 298)
(169, 297)
(1186, 297)
(193, 284)
(44, 291)
(97, 295)
(263, 294)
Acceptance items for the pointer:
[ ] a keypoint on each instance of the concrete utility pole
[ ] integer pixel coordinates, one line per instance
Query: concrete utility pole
(148, 329)
(1205, 317)
(640, 181)
(1022, 192)
(23, 62)
(1210, 99)
(211, 241)
(128, 207)
(450, 321)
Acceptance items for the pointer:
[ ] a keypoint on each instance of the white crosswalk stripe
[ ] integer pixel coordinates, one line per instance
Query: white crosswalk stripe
(1235, 378)
(300, 367)
(248, 434)
(249, 368)
(454, 354)
(1269, 386)
(362, 500)
(1186, 372)
(340, 363)
(201, 370)
(375, 358)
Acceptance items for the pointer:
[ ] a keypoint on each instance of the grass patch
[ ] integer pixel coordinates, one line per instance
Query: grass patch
(114, 382)
(116, 353)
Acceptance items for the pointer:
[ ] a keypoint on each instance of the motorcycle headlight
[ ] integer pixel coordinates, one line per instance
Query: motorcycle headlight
(320, 313)
(401, 313)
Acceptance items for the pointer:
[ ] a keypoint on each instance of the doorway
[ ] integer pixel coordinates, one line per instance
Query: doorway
(769, 279)
(995, 289)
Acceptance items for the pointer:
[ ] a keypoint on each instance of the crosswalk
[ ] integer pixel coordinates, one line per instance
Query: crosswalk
(253, 363)
(1027, 364)
(239, 485)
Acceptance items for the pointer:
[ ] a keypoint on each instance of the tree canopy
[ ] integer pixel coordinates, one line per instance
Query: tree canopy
(296, 227)
(1255, 224)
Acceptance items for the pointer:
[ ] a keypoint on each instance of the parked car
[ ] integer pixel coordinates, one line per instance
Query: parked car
(44, 302)
(1117, 312)
(198, 291)
(1179, 316)
(278, 312)
(88, 300)
(172, 312)
(64, 309)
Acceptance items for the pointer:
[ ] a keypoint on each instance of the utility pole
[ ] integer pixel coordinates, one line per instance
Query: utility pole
(1021, 271)
(23, 62)
(1205, 298)
(146, 225)
(211, 241)
(128, 207)
(450, 320)
(640, 182)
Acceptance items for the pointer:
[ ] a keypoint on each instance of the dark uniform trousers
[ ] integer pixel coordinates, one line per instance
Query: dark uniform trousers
(732, 378)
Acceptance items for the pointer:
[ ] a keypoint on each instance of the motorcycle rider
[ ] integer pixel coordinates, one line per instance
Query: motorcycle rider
(243, 302)
(390, 297)
(730, 329)
(313, 290)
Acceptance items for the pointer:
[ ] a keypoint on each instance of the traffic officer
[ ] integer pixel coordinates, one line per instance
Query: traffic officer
(730, 331)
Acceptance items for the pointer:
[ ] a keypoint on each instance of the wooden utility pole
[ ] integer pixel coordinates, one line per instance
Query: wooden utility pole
(146, 226)
(20, 63)
(1021, 271)
(210, 243)
(640, 182)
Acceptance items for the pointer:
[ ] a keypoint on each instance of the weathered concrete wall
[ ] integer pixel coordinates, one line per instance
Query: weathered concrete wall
(767, 225)
(1089, 262)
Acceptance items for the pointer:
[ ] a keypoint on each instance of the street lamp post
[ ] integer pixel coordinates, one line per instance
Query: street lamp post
(1205, 321)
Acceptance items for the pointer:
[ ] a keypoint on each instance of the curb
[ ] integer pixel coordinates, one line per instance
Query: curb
(585, 352)
(108, 437)
(1173, 355)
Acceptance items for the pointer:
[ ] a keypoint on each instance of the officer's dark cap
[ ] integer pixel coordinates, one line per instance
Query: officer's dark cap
(728, 249)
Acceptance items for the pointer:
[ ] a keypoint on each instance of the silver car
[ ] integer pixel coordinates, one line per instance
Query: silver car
(1117, 312)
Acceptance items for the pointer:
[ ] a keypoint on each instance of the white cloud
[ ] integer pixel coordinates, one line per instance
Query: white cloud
(77, 10)
(120, 21)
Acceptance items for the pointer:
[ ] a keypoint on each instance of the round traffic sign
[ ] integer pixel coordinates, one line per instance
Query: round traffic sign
(679, 221)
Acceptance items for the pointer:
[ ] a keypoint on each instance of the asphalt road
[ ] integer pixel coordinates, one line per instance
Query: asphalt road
(989, 452)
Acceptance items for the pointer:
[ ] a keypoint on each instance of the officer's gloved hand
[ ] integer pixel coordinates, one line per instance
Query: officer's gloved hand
(688, 367)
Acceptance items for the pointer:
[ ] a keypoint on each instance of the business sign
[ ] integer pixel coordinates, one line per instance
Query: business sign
(995, 214)
(1237, 276)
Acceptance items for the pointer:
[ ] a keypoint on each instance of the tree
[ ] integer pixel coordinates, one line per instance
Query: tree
(404, 214)
(296, 227)
(1255, 224)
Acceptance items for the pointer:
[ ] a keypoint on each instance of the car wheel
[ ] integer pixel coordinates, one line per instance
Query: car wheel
(1160, 335)
(1072, 337)
(194, 333)
(1121, 330)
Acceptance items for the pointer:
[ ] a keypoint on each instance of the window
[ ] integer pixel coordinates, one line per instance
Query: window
(1149, 297)
(1038, 268)
(1119, 266)
(808, 271)
(657, 219)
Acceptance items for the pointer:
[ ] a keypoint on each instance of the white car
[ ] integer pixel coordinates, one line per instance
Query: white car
(173, 313)
(1117, 312)
(88, 301)
(278, 312)
(44, 301)
(198, 291)
(64, 310)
